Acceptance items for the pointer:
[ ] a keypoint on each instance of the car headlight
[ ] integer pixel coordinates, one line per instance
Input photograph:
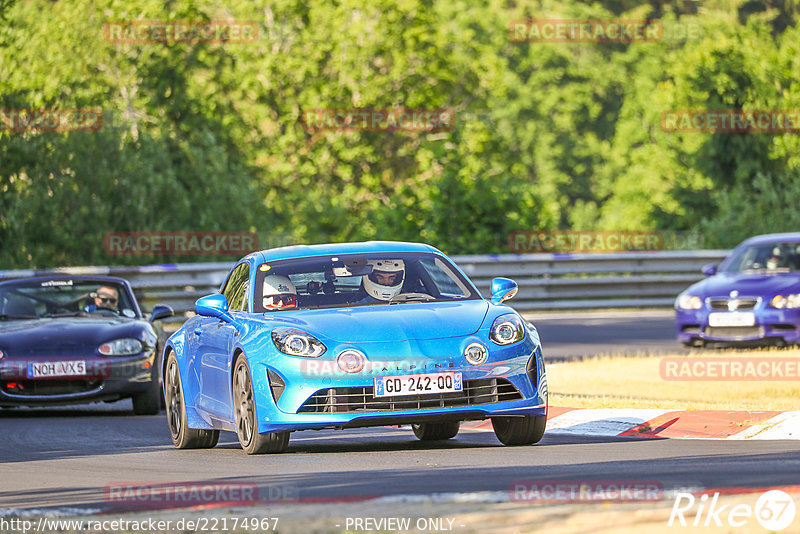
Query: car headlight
(507, 329)
(295, 342)
(786, 301)
(126, 346)
(690, 302)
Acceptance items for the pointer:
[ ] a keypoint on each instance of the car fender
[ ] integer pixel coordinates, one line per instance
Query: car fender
(177, 344)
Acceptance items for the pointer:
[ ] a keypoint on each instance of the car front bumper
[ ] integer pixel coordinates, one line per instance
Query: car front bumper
(517, 373)
(106, 379)
(771, 325)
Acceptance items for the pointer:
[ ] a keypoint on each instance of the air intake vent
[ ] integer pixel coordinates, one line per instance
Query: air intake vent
(361, 399)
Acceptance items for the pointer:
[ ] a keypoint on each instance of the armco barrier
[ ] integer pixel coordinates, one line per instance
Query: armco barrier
(546, 281)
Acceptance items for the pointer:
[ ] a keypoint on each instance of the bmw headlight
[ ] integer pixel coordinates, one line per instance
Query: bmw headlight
(507, 329)
(295, 342)
(786, 301)
(126, 346)
(689, 302)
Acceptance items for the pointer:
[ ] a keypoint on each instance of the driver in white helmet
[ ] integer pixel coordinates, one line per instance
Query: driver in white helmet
(385, 281)
(279, 293)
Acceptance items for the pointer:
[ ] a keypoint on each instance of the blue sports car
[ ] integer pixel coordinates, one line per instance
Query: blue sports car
(753, 296)
(352, 335)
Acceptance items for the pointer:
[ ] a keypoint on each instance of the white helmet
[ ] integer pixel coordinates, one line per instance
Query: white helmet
(279, 293)
(386, 278)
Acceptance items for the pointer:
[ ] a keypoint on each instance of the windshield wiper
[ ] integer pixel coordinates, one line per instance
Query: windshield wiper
(410, 297)
(7, 317)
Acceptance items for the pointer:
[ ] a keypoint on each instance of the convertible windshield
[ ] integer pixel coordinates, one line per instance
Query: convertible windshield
(358, 280)
(768, 257)
(63, 298)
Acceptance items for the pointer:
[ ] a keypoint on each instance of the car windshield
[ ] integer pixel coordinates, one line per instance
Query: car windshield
(764, 257)
(46, 297)
(359, 280)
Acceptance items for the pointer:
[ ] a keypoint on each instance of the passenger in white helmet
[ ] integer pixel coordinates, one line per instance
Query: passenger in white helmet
(279, 293)
(385, 281)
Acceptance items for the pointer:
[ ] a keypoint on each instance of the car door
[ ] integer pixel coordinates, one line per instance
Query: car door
(216, 342)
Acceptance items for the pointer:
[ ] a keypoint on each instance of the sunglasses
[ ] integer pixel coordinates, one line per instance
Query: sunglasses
(277, 302)
(106, 300)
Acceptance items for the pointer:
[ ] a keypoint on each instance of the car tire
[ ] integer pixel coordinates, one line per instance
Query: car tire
(436, 431)
(519, 430)
(182, 436)
(244, 410)
(148, 402)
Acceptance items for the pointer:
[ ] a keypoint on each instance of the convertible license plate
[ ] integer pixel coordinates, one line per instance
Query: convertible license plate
(56, 369)
(390, 386)
(731, 319)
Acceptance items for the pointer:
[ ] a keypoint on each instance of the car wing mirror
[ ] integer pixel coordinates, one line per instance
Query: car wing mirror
(161, 311)
(503, 289)
(710, 269)
(215, 306)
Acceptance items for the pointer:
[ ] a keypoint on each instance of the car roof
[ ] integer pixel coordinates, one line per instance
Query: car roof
(366, 247)
(772, 238)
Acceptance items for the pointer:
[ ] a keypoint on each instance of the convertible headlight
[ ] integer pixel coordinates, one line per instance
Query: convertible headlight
(786, 301)
(295, 342)
(507, 329)
(689, 302)
(126, 346)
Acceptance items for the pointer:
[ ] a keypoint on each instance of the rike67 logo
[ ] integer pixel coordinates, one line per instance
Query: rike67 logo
(774, 510)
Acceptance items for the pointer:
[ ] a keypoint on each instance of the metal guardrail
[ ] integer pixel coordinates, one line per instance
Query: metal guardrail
(546, 281)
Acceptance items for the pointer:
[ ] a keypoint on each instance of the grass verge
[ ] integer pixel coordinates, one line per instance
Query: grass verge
(636, 382)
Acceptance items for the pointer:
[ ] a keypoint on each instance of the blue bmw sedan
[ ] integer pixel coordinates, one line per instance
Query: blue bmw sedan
(753, 296)
(352, 335)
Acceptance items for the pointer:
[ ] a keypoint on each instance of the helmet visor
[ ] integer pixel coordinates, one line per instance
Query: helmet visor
(386, 278)
(280, 302)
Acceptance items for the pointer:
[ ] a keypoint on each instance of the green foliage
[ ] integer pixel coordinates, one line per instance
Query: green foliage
(209, 137)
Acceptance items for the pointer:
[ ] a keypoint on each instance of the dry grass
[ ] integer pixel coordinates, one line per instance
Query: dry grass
(636, 382)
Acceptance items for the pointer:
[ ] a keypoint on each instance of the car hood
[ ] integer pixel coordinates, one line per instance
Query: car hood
(384, 323)
(755, 285)
(64, 336)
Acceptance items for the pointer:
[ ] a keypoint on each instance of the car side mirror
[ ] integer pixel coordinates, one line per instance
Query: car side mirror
(161, 311)
(215, 306)
(710, 269)
(503, 289)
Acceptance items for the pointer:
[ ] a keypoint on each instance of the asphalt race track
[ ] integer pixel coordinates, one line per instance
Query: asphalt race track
(51, 459)
(579, 334)
(64, 458)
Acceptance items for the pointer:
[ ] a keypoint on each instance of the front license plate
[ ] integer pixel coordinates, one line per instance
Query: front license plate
(54, 369)
(732, 319)
(390, 386)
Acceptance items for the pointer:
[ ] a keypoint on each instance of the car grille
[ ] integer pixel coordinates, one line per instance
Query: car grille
(48, 387)
(734, 332)
(742, 303)
(361, 399)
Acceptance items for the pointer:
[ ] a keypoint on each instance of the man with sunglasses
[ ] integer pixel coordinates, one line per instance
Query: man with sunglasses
(105, 298)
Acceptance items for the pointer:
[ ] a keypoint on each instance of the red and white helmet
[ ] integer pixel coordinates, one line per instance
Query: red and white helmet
(386, 278)
(279, 293)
